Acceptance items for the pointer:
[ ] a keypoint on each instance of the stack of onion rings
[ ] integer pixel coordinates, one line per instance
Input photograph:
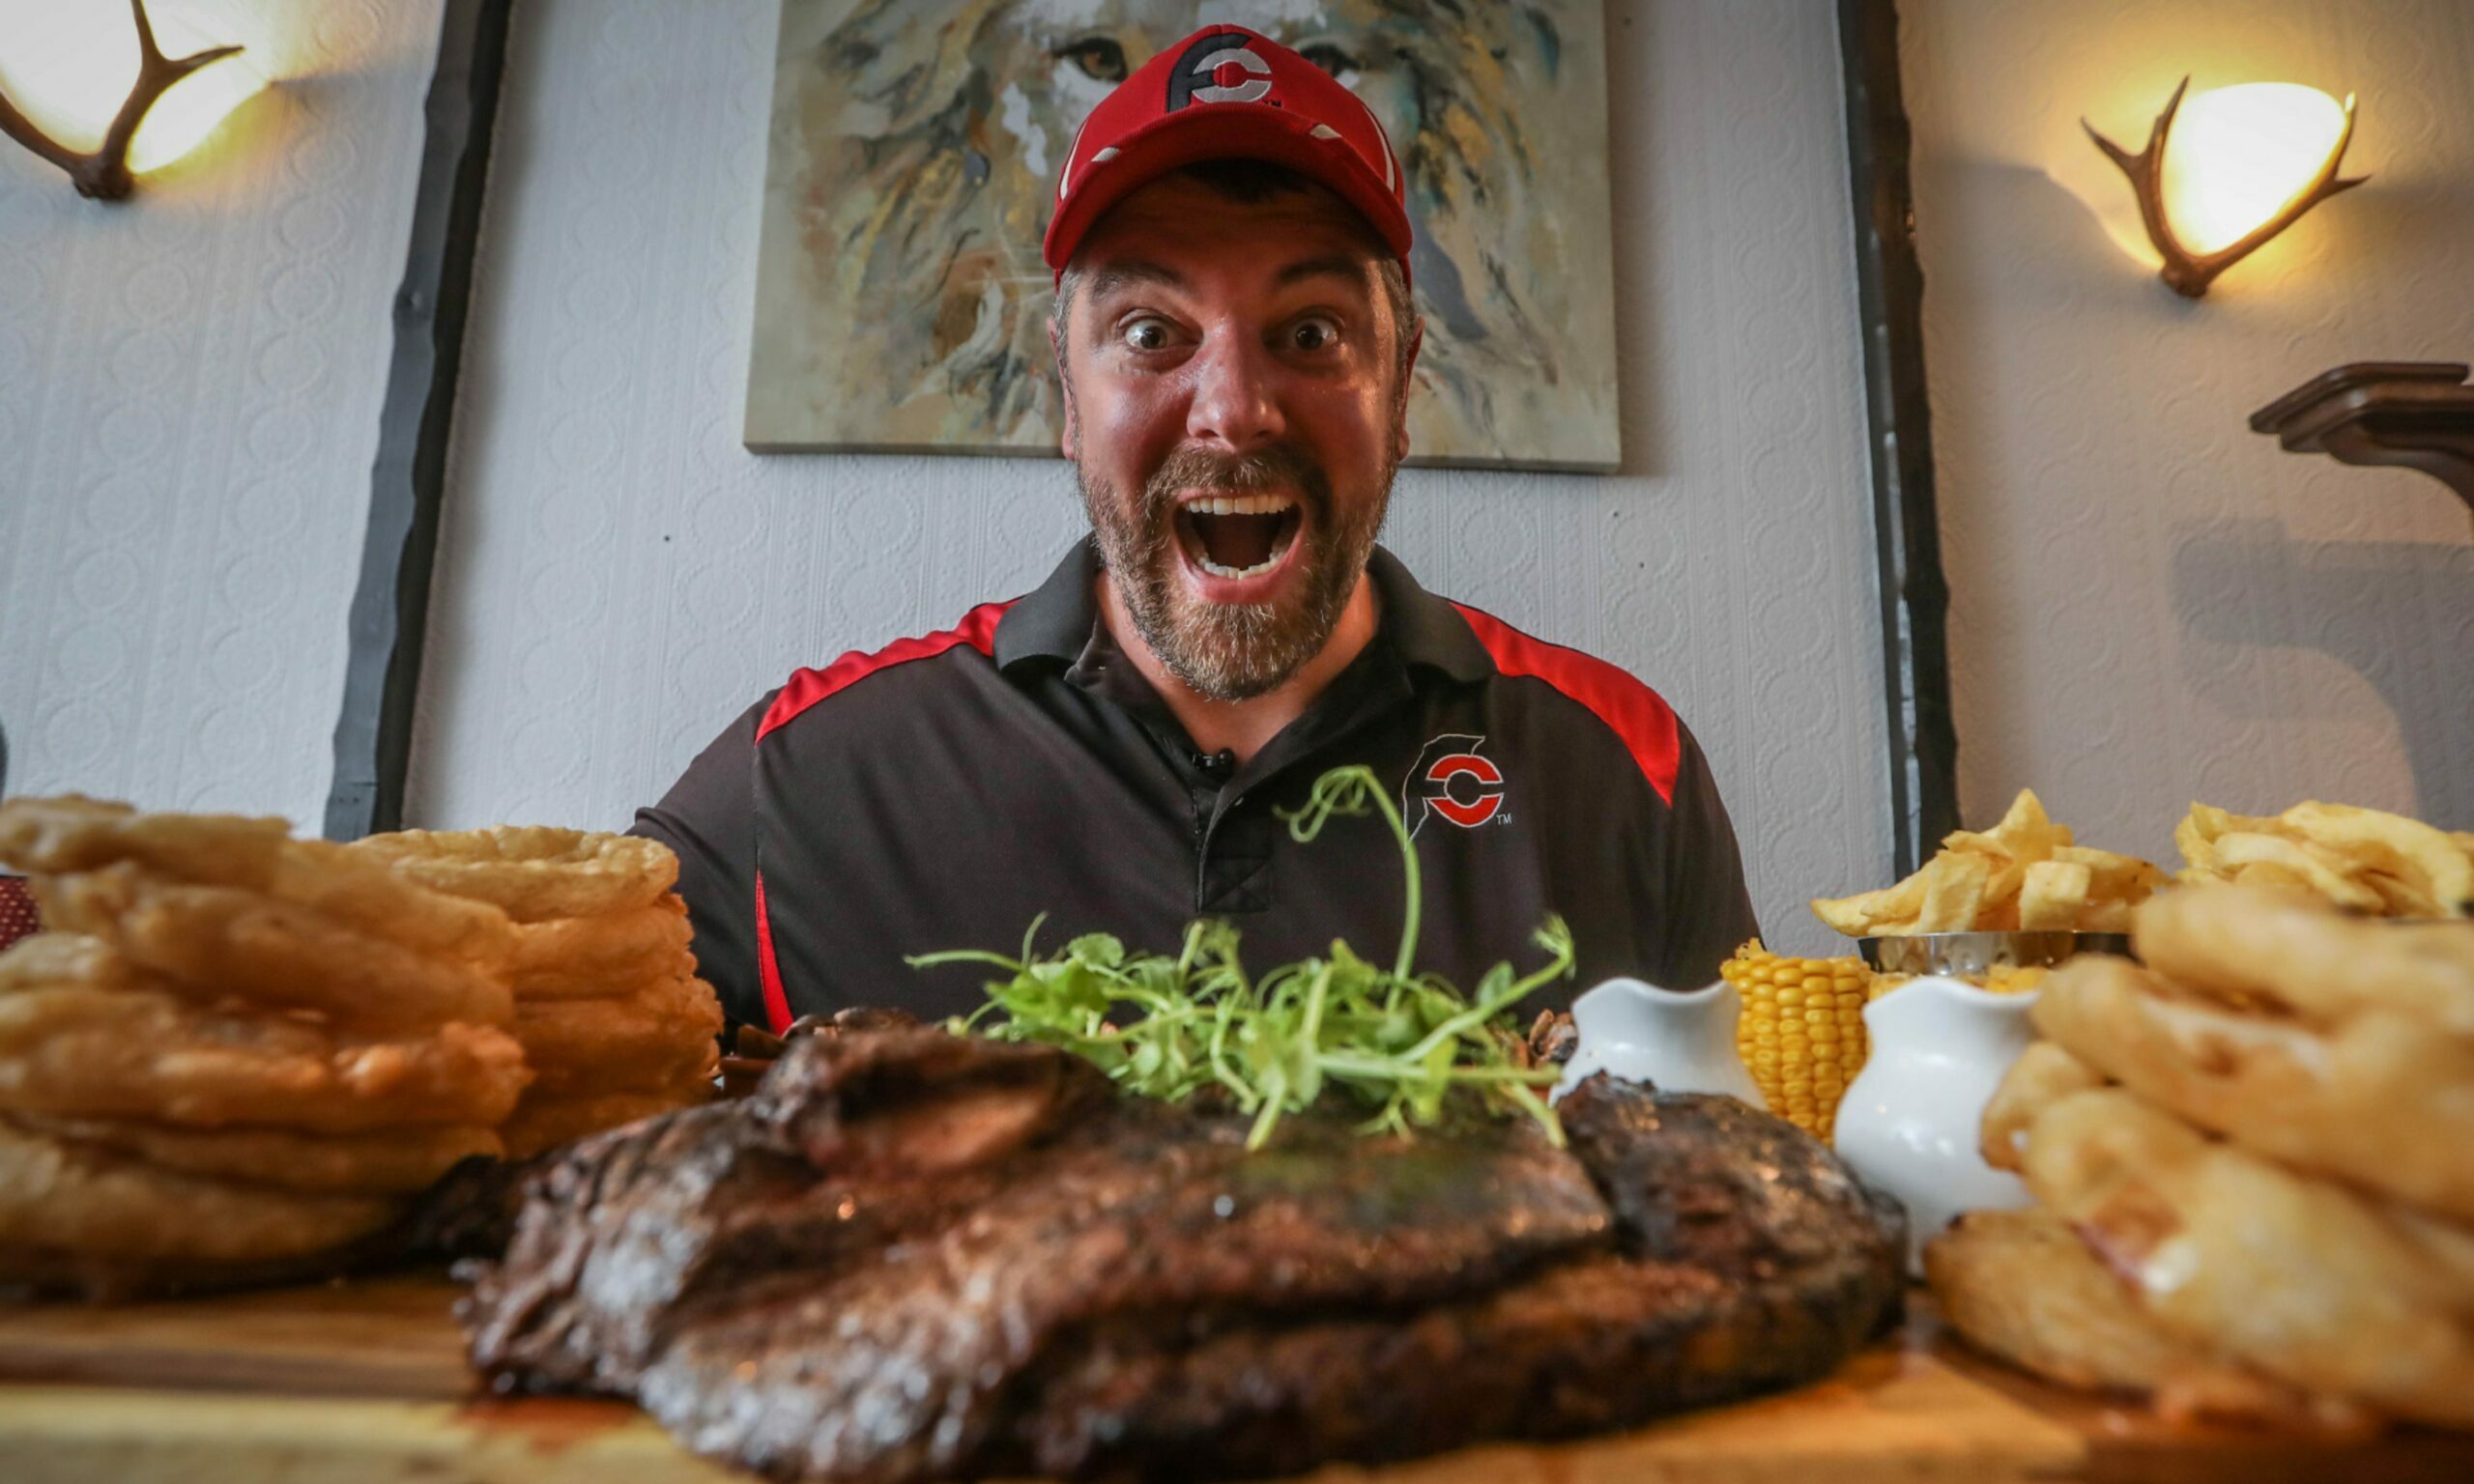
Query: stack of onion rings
(2265, 1137)
(615, 1023)
(239, 1055)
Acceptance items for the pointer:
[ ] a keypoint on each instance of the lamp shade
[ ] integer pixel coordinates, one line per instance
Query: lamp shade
(68, 68)
(2242, 155)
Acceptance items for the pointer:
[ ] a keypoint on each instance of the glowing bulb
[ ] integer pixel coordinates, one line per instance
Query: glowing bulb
(68, 68)
(183, 116)
(2239, 155)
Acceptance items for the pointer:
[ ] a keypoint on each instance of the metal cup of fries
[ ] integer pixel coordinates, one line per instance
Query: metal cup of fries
(2025, 875)
(1963, 954)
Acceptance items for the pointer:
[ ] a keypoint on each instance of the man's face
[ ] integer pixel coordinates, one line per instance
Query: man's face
(1234, 409)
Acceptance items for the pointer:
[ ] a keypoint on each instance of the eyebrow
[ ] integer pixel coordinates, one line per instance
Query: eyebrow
(1127, 271)
(1337, 265)
(1132, 270)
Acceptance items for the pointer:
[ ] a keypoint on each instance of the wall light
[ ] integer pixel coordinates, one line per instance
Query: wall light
(100, 119)
(2245, 163)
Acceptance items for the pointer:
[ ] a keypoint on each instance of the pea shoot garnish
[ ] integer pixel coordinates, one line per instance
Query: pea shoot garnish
(1397, 1041)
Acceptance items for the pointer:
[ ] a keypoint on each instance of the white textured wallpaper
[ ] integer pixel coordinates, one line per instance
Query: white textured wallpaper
(2153, 603)
(188, 405)
(618, 578)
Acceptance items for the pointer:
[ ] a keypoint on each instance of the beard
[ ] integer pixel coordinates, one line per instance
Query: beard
(1234, 652)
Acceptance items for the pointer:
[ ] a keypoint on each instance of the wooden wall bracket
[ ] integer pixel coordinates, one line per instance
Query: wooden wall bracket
(1913, 594)
(388, 623)
(2412, 414)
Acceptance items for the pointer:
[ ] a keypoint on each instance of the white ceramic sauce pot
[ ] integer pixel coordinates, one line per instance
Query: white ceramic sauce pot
(1909, 1122)
(1677, 1043)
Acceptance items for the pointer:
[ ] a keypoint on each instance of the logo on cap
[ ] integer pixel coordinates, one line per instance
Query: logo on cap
(1450, 779)
(1214, 71)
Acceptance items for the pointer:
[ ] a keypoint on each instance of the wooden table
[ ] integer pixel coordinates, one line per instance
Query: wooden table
(365, 1383)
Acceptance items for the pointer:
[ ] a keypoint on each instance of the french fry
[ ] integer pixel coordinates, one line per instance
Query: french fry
(2025, 833)
(2053, 896)
(1981, 879)
(2113, 877)
(2239, 849)
(2411, 851)
(1867, 913)
(2106, 917)
(2403, 897)
(1953, 891)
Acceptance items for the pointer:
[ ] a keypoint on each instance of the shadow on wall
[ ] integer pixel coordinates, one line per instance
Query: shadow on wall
(2020, 232)
(2247, 585)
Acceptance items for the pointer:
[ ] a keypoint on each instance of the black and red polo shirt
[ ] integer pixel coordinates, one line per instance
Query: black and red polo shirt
(942, 791)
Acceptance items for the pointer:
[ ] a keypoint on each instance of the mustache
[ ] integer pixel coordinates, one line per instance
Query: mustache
(1281, 465)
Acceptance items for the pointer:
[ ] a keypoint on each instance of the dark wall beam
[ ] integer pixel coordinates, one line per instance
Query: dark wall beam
(1914, 596)
(389, 616)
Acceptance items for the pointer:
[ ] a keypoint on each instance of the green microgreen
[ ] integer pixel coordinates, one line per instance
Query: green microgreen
(1398, 1042)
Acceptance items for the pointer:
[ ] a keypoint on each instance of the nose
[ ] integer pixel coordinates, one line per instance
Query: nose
(1236, 395)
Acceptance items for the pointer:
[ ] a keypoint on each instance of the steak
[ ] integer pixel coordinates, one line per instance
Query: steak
(916, 1255)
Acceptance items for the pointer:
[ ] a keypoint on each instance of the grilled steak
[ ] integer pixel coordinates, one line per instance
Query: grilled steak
(912, 1256)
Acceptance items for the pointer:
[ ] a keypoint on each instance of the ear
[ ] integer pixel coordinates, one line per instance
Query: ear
(1408, 380)
(1065, 439)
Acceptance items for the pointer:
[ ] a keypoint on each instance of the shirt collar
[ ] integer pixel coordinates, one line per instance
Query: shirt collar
(1054, 620)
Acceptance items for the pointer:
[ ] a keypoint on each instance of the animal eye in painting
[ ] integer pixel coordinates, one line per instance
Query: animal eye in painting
(1101, 58)
(1330, 58)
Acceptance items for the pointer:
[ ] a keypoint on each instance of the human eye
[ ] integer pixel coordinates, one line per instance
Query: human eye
(1314, 334)
(1146, 334)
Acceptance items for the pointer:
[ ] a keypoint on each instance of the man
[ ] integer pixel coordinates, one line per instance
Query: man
(1234, 339)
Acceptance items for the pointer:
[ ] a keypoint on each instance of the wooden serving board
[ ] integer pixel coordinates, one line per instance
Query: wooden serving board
(367, 1383)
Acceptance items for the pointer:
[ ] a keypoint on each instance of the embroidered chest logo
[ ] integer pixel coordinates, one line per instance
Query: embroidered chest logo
(1452, 781)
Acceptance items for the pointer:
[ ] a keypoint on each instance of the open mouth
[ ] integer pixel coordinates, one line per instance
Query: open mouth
(1238, 536)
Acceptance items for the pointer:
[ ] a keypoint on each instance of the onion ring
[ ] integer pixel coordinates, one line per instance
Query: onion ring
(77, 833)
(542, 1121)
(391, 1162)
(602, 958)
(2021, 1285)
(2043, 1074)
(51, 958)
(2249, 945)
(2337, 1103)
(214, 942)
(631, 983)
(65, 1198)
(533, 873)
(656, 1038)
(362, 895)
(146, 1054)
(2298, 1277)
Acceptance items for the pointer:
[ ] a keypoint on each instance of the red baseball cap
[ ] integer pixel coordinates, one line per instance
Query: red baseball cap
(1228, 92)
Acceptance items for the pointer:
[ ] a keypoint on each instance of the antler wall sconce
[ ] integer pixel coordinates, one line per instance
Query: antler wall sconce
(2246, 162)
(76, 78)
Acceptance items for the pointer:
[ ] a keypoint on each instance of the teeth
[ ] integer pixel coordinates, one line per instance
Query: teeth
(1256, 570)
(1240, 505)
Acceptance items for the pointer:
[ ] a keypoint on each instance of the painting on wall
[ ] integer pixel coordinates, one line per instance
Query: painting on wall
(901, 301)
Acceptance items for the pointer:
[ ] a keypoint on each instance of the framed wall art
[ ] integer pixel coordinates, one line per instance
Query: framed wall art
(902, 305)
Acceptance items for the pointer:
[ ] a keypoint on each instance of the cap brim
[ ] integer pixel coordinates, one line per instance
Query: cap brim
(1224, 131)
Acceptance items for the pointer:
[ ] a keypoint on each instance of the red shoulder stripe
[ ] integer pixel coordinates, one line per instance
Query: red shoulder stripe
(1639, 714)
(978, 628)
(777, 1000)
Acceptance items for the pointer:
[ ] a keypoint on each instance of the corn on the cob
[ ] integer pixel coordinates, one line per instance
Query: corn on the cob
(1801, 1035)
